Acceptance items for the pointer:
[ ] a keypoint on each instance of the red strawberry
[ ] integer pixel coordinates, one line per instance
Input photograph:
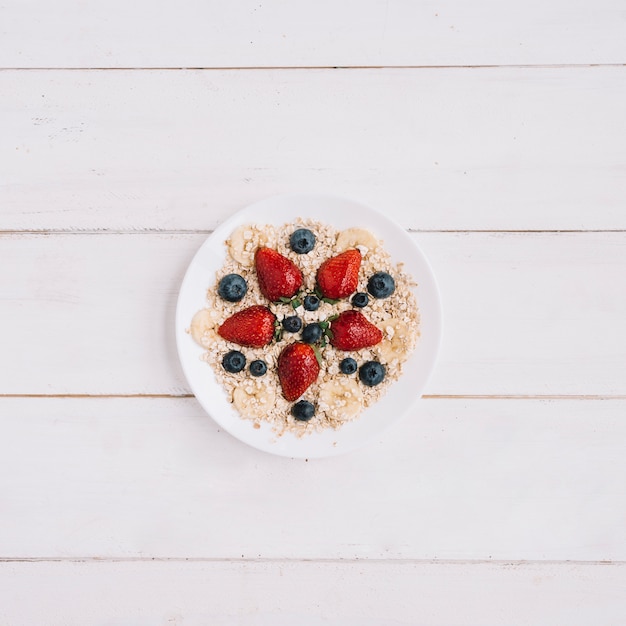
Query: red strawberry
(253, 327)
(353, 331)
(297, 369)
(338, 276)
(278, 276)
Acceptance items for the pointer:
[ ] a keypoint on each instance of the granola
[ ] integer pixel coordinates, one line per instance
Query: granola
(337, 397)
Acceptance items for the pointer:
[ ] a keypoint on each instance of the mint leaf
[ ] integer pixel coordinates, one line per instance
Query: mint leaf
(318, 356)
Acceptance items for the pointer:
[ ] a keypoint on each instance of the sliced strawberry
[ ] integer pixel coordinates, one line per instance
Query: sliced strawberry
(297, 369)
(253, 327)
(353, 331)
(338, 276)
(278, 276)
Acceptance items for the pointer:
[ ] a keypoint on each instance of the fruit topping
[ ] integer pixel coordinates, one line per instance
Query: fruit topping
(298, 369)
(302, 241)
(342, 397)
(243, 243)
(253, 401)
(356, 238)
(202, 328)
(311, 302)
(338, 276)
(234, 361)
(312, 333)
(278, 276)
(348, 366)
(360, 299)
(253, 327)
(395, 344)
(258, 367)
(232, 288)
(292, 324)
(303, 410)
(353, 331)
(381, 285)
(372, 373)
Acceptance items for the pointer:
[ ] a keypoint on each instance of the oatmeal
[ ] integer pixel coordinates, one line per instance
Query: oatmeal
(306, 326)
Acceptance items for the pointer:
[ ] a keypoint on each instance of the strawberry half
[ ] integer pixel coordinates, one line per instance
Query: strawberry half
(253, 327)
(353, 331)
(278, 276)
(297, 369)
(338, 276)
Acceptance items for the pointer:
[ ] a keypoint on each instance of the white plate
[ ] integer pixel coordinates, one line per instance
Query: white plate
(402, 395)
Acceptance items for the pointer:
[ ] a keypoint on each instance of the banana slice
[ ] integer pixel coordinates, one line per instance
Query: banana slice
(395, 343)
(202, 328)
(356, 238)
(252, 401)
(243, 243)
(342, 398)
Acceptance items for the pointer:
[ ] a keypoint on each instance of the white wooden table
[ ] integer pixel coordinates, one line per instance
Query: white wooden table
(494, 132)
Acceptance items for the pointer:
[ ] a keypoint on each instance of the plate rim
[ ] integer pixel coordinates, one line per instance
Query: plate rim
(434, 340)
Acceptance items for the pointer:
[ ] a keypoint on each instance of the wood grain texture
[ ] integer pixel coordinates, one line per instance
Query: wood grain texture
(311, 594)
(457, 479)
(452, 117)
(493, 148)
(198, 33)
(524, 313)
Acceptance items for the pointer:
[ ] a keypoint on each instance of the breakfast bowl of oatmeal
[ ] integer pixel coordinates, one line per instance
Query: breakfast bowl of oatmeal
(308, 324)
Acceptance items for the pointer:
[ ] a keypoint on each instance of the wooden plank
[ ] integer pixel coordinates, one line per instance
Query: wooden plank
(541, 313)
(457, 479)
(525, 313)
(71, 33)
(499, 148)
(311, 594)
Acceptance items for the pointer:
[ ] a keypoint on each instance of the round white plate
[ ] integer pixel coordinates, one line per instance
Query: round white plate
(402, 395)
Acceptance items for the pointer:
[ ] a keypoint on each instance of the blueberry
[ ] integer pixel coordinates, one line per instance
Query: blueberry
(312, 333)
(348, 366)
(381, 285)
(234, 361)
(372, 373)
(311, 303)
(258, 367)
(292, 324)
(303, 411)
(302, 241)
(232, 287)
(360, 299)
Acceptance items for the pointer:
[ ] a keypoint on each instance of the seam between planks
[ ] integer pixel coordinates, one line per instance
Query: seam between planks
(486, 66)
(295, 560)
(167, 396)
(189, 231)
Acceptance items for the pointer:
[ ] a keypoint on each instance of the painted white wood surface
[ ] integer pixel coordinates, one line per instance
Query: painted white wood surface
(458, 479)
(312, 594)
(201, 33)
(525, 313)
(535, 142)
(491, 148)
